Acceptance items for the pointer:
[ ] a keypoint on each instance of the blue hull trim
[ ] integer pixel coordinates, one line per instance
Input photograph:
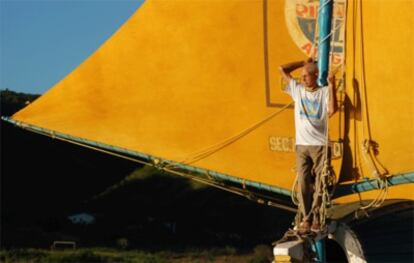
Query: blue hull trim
(342, 190)
(369, 185)
(150, 159)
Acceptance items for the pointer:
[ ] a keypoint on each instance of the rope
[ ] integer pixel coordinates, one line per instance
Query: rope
(204, 153)
(244, 193)
(290, 235)
(53, 136)
(156, 163)
(382, 182)
(326, 178)
(294, 196)
(367, 144)
(159, 166)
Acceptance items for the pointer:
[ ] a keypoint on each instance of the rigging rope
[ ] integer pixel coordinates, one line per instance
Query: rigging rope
(367, 143)
(259, 198)
(204, 153)
(322, 197)
(327, 178)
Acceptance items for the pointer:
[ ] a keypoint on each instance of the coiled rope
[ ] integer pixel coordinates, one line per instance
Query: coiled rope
(326, 178)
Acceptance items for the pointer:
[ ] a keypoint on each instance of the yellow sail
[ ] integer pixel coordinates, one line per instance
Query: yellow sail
(196, 82)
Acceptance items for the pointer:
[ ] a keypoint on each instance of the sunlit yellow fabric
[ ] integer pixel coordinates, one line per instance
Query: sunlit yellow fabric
(379, 77)
(180, 76)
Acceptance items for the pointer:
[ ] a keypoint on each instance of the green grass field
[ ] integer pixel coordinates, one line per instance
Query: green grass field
(260, 254)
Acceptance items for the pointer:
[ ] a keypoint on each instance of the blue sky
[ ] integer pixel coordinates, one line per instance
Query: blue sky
(41, 41)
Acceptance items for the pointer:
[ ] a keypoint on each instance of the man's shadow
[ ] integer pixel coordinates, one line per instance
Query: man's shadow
(353, 114)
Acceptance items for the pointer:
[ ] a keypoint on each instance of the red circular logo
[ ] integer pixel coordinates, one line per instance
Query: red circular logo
(301, 20)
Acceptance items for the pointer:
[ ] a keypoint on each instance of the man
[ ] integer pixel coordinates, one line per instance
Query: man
(313, 105)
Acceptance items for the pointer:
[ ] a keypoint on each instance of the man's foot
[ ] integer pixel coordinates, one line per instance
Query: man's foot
(304, 227)
(316, 227)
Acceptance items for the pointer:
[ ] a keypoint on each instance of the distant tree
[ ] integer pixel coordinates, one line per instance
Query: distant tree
(11, 101)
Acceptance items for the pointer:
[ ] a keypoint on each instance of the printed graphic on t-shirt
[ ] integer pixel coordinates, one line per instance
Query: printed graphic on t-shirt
(310, 109)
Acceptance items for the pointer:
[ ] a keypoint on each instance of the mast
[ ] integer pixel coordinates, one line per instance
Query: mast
(324, 21)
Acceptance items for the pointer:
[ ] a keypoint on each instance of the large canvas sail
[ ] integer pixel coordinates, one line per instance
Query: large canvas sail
(196, 83)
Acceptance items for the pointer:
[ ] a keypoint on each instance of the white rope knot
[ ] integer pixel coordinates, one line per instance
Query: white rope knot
(159, 164)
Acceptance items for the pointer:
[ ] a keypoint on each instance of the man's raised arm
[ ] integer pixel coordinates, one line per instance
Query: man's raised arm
(286, 69)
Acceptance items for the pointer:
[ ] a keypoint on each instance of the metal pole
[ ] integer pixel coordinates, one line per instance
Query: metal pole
(321, 250)
(324, 21)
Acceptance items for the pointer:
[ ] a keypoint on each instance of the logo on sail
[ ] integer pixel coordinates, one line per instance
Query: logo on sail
(301, 20)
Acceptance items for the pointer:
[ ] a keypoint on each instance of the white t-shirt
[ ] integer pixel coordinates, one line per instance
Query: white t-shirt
(311, 110)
